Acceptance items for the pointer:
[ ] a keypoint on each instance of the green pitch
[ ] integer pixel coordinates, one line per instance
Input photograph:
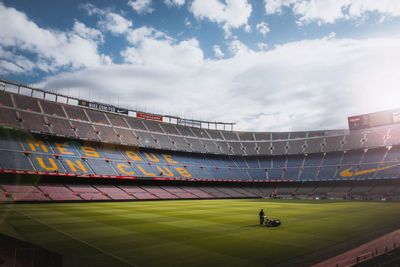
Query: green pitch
(197, 233)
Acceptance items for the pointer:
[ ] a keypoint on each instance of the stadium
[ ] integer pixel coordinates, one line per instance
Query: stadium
(199, 133)
(93, 156)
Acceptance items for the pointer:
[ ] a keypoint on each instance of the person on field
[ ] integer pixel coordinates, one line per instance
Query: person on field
(262, 216)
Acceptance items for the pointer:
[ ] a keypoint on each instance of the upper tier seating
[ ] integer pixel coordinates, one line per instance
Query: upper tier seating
(16, 111)
(9, 117)
(394, 136)
(5, 99)
(60, 127)
(107, 134)
(127, 137)
(76, 113)
(34, 122)
(52, 108)
(85, 131)
(136, 124)
(117, 120)
(97, 117)
(26, 103)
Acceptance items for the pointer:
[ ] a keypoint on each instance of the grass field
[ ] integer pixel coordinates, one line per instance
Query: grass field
(197, 233)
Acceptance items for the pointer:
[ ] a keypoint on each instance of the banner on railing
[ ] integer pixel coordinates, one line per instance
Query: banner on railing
(149, 116)
(103, 107)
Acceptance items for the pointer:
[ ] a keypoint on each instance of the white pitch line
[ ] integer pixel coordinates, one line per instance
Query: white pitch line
(76, 238)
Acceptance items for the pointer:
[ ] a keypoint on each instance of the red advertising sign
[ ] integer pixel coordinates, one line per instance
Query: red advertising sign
(149, 116)
(358, 122)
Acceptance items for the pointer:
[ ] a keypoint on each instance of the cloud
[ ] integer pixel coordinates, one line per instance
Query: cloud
(109, 21)
(15, 64)
(153, 47)
(247, 28)
(230, 14)
(115, 23)
(237, 47)
(142, 6)
(302, 85)
(140, 34)
(171, 3)
(262, 46)
(50, 49)
(187, 22)
(263, 28)
(218, 52)
(86, 32)
(329, 11)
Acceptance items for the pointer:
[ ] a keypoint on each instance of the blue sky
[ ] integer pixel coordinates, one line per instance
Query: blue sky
(266, 65)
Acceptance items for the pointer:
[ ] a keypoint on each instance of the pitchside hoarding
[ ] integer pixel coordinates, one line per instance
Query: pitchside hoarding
(103, 107)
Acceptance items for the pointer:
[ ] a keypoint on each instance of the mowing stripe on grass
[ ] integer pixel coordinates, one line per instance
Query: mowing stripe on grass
(75, 238)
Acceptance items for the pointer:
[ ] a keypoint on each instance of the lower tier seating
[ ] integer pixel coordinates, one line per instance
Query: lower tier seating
(100, 192)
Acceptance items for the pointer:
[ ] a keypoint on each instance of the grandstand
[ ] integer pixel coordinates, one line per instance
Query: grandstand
(56, 148)
(54, 135)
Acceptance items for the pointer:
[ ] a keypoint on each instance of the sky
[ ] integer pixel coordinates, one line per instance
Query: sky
(266, 65)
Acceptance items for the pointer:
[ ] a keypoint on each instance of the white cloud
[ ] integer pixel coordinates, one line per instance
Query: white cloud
(262, 46)
(109, 21)
(276, 6)
(140, 34)
(329, 11)
(263, 28)
(141, 6)
(7, 67)
(174, 2)
(218, 52)
(86, 32)
(115, 23)
(17, 65)
(51, 49)
(237, 47)
(302, 85)
(230, 14)
(150, 46)
(187, 22)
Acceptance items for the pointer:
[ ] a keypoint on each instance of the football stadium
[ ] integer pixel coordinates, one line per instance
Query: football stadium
(78, 177)
(297, 163)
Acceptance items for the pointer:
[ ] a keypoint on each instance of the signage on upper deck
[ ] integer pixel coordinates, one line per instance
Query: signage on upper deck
(396, 116)
(358, 122)
(374, 119)
(102, 107)
(191, 123)
(149, 116)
